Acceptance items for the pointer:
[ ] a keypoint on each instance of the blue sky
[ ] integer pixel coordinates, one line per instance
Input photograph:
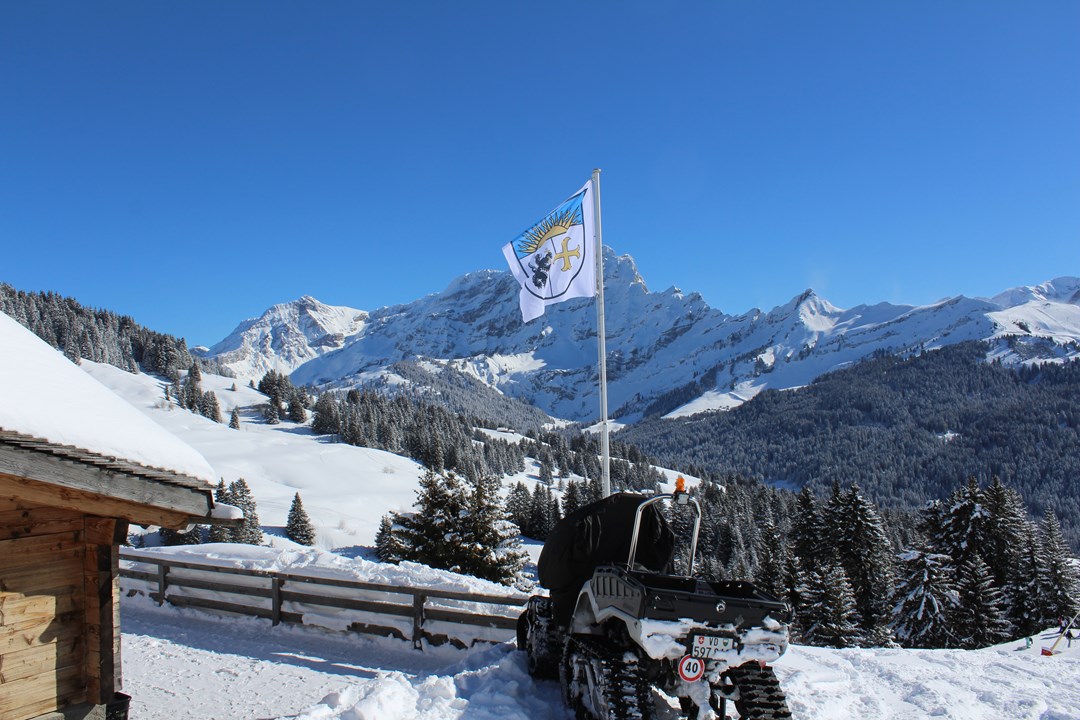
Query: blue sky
(192, 163)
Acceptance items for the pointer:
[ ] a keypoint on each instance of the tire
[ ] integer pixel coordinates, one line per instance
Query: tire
(760, 696)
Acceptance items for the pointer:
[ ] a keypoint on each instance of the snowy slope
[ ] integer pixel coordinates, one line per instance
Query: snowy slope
(345, 489)
(658, 342)
(184, 665)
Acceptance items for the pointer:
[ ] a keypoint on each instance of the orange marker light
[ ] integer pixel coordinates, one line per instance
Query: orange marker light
(680, 484)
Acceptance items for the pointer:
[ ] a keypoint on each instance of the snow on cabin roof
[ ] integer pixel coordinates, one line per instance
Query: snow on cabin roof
(46, 397)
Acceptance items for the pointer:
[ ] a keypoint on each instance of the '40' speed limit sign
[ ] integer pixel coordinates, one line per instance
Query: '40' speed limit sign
(691, 668)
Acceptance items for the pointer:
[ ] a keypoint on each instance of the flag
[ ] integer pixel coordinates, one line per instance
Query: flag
(554, 260)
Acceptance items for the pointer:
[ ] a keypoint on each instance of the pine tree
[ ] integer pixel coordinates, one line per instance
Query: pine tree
(327, 419)
(490, 547)
(863, 548)
(431, 534)
(180, 537)
(297, 413)
(1059, 575)
(926, 598)
(518, 506)
(219, 533)
(806, 529)
(1006, 518)
(388, 546)
(234, 419)
(1027, 594)
(249, 532)
(208, 406)
(773, 558)
(298, 527)
(979, 617)
(572, 498)
(830, 618)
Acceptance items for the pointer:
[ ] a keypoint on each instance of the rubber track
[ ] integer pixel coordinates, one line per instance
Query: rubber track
(760, 695)
(629, 696)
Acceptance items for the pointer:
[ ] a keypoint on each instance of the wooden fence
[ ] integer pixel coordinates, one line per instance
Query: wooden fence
(408, 613)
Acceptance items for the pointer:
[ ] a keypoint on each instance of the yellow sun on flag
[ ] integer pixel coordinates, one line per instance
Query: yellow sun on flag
(552, 226)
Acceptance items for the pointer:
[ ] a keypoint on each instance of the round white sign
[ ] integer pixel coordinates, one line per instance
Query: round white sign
(691, 668)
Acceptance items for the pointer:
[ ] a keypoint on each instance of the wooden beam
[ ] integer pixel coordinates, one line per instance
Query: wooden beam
(21, 463)
(104, 505)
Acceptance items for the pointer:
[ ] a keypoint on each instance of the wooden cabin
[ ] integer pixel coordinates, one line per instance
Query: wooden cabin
(75, 470)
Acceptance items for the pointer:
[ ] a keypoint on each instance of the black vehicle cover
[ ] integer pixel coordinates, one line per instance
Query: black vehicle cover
(598, 534)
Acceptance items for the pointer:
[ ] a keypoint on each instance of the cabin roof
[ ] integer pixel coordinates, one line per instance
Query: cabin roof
(50, 405)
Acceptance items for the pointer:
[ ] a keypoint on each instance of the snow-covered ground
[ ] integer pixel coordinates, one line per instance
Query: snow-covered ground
(183, 664)
(188, 664)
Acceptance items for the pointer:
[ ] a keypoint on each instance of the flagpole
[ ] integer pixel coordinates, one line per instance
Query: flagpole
(605, 449)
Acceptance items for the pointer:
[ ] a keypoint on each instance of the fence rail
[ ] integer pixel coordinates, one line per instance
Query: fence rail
(411, 613)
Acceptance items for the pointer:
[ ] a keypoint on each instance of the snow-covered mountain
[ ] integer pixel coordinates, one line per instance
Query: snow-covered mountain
(286, 336)
(669, 352)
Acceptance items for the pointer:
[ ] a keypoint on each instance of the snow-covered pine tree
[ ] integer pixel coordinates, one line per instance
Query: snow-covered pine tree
(965, 524)
(490, 546)
(249, 532)
(829, 618)
(208, 406)
(1059, 575)
(1027, 592)
(327, 418)
(978, 620)
(543, 512)
(572, 498)
(774, 558)
(864, 552)
(191, 391)
(219, 533)
(388, 547)
(433, 533)
(519, 505)
(234, 419)
(297, 413)
(925, 599)
(806, 529)
(298, 527)
(1004, 542)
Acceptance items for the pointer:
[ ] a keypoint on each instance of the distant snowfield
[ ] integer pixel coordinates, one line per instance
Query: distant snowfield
(185, 665)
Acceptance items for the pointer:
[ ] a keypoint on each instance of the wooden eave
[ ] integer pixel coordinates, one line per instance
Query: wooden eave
(65, 476)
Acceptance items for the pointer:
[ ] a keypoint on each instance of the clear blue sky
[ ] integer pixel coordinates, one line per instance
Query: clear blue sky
(192, 163)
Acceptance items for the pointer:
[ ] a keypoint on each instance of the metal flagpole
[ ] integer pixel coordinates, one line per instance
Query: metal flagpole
(605, 450)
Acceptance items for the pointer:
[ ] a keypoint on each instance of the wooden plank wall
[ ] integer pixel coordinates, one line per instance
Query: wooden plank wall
(43, 608)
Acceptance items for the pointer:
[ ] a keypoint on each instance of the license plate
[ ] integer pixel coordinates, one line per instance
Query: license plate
(709, 646)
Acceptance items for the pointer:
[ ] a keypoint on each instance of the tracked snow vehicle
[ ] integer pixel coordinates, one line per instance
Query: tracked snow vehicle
(619, 622)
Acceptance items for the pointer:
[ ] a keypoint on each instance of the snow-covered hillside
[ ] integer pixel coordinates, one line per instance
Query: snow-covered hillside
(665, 346)
(186, 664)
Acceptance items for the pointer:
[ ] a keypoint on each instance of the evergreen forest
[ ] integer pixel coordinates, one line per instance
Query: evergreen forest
(904, 429)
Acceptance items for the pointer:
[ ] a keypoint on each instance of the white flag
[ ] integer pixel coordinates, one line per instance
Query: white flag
(554, 259)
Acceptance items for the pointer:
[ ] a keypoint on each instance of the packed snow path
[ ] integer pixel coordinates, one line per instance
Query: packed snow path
(186, 665)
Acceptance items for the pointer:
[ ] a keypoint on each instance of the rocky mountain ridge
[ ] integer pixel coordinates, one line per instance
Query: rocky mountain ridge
(669, 352)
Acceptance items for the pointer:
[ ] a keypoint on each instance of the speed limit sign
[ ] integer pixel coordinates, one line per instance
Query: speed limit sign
(691, 668)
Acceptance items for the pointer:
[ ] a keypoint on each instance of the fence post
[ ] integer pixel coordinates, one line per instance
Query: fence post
(162, 582)
(275, 598)
(418, 621)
